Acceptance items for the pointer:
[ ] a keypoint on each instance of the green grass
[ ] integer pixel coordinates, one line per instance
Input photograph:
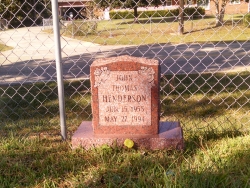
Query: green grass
(47, 162)
(213, 110)
(165, 30)
(4, 47)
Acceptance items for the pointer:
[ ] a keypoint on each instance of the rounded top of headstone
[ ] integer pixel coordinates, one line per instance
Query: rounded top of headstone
(124, 58)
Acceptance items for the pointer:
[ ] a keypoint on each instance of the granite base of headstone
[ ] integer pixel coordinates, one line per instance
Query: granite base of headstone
(125, 105)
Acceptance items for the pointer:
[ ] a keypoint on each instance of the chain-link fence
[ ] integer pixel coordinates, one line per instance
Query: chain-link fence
(204, 58)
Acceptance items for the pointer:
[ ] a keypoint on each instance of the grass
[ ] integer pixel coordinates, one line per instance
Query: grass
(213, 110)
(165, 30)
(47, 162)
(4, 47)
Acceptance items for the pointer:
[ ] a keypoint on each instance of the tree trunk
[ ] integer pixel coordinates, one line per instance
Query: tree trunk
(181, 18)
(219, 20)
(34, 10)
(217, 13)
(135, 14)
(220, 12)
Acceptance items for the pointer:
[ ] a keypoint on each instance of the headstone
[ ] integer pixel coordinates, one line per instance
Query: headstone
(106, 14)
(125, 104)
(125, 95)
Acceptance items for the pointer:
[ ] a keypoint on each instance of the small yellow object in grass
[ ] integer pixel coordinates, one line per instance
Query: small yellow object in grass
(128, 143)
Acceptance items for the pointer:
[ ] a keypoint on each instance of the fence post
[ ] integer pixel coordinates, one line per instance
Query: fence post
(181, 17)
(59, 71)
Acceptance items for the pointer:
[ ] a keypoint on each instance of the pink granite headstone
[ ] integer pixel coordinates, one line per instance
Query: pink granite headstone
(125, 104)
(125, 95)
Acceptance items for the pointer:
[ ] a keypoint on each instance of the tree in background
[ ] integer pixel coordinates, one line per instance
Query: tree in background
(181, 17)
(108, 3)
(43, 8)
(96, 7)
(220, 11)
(132, 4)
(8, 9)
(21, 13)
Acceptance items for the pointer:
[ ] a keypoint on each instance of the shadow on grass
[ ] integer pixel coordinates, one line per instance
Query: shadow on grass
(30, 105)
(152, 20)
(200, 102)
(212, 26)
(191, 97)
(46, 161)
(164, 19)
(222, 167)
(32, 161)
(205, 107)
(207, 95)
(49, 162)
(198, 95)
(196, 142)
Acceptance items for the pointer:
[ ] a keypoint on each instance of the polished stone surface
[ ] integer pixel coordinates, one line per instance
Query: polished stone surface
(170, 137)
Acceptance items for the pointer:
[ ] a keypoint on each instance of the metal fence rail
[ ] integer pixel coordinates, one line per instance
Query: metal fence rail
(205, 76)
